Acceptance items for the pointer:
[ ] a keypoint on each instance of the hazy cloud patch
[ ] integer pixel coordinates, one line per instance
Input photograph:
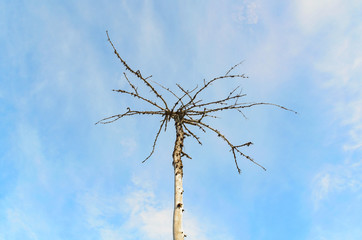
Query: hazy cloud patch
(246, 13)
(336, 179)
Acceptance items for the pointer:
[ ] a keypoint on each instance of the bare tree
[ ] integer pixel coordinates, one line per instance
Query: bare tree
(188, 112)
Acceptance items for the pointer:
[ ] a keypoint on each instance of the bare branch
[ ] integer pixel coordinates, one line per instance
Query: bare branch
(233, 67)
(186, 92)
(167, 89)
(271, 104)
(192, 134)
(206, 84)
(190, 114)
(132, 86)
(239, 106)
(177, 102)
(136, 73)
(180, 99)
(185, 154)
(245, 144)
(136, 95)
(233, 147)
(222, 101)
(231, 93)
(242, 113)
(194, 123)
(155, 141)
(128, 113)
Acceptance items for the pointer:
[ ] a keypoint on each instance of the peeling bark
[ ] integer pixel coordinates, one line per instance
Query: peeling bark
(178, 233)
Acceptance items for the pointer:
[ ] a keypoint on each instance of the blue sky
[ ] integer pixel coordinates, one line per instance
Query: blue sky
(62, 177)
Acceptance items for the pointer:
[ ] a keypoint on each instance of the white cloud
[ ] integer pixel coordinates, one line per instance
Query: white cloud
(145, 215)
(246, 13)
(343, 65)
(334, 32)
(130, 146)
(337, 196)
(312, 15)
(34, 164)
(338, 62)
(19, 222)
(336, 179)
(111, 234)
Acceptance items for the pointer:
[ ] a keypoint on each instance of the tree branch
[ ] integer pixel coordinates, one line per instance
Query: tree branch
(136, 73)
(233, 67)
(128, 113)
(192, 134)
(206, 84)
(132, 86)
(155, 141)
(222, 101)
(136, 95)
(239, 106)
(233, 147)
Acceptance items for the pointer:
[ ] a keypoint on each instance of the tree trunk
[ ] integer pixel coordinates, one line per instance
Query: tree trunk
(178, 233)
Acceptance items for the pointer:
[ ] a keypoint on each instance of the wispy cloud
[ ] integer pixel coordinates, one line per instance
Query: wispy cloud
(246, 13)
(63, 71)
(19, 224)
(337, 179)
(141, 214)
(337, 187)
(343, 64)
(314, 15)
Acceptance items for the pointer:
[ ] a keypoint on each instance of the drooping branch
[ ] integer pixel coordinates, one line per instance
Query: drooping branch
(192, 134)
(155, 141)
(233, 147)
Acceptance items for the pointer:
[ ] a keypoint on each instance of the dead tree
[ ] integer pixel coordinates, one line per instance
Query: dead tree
(188, 112)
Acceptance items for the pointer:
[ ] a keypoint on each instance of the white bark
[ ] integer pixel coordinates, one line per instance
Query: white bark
(178, 233)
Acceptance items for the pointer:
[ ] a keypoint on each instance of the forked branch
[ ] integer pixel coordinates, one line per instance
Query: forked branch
(190, 113)
(136, 73)
(233, 148)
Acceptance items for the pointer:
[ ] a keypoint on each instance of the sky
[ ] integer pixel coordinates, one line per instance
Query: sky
(63, 177)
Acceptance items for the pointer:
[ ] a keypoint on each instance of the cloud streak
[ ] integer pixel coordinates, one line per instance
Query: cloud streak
(138, 214)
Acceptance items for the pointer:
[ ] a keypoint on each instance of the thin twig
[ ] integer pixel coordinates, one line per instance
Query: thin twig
(129, 82)
(139, 96)
(233, 67)
(206, 84)
(192, 134)
(128, 113)
(155, 141)
(190, 114)
(136, 73)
